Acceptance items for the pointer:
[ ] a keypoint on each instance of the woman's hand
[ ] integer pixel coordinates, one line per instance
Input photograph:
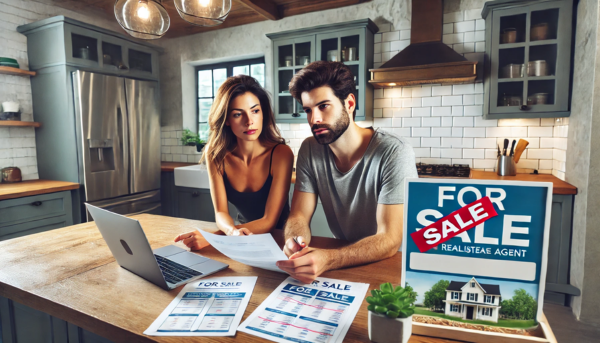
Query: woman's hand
(193, 240)
(239, 232)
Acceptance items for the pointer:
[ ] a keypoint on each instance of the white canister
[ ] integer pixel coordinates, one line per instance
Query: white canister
(10, 106)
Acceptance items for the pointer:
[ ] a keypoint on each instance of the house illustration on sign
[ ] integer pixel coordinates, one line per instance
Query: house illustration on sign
(473, 300)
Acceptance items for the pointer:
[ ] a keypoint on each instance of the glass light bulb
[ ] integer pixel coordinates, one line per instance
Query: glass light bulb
(204, 3)
(143, 11)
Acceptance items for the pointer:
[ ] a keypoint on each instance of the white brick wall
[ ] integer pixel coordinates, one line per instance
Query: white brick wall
(17, 144)
(174, 151)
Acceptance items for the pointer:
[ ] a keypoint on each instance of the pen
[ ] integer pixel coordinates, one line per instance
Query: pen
(295, 238)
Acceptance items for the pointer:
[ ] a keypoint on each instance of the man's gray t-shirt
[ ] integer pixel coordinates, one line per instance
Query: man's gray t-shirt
(350, 199)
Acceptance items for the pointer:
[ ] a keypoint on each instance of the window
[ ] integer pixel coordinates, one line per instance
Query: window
(488, 299)
(210, 78)
(488, 311)
(455, 295)
(472, 284)
(454, 308)
(471, 296)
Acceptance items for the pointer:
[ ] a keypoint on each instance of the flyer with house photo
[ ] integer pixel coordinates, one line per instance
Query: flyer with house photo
(474, 252)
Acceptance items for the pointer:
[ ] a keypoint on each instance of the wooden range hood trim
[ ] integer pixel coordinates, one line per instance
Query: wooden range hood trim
(453, 72)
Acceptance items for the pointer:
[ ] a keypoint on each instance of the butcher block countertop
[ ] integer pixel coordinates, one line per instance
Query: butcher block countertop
(170, 166)
(560, 186)
(33, 187)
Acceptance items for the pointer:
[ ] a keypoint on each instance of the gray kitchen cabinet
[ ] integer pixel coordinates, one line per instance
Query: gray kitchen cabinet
(533, 38)
(194, 203)
(318, 223)
(61, 40)
(33, 214)
(292, 50)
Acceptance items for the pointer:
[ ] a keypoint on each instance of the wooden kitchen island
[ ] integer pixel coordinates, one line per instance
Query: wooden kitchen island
(79, 292)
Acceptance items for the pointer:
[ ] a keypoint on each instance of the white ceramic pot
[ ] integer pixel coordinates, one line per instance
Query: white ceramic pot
(10, 106)
(387, 330)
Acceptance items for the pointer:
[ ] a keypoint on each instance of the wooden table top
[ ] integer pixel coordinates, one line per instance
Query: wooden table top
(33, 187)
(74, 277)
(560, 186)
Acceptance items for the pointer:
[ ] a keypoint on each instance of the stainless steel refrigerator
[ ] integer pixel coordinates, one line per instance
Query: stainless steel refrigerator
(118, 129)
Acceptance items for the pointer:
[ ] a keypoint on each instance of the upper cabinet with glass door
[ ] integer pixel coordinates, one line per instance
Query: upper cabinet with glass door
(528, 44)
(89, 48)
(350, 43)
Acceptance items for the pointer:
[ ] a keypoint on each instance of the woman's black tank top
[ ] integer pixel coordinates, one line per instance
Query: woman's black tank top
(251, 205)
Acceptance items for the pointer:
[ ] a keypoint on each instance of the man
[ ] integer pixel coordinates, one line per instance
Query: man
(357, 172)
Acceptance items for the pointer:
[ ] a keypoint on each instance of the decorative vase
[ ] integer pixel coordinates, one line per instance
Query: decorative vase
(387, 330)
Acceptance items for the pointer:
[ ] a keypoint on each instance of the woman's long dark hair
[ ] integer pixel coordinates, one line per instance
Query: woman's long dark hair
(221, 140)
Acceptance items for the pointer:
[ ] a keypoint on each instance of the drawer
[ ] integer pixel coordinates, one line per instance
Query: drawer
(34, 208)
(31, 227)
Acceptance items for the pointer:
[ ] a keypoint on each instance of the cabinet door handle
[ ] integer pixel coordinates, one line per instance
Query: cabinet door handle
(36, 203)
(525, 108)
(195, 194)
(295, 115)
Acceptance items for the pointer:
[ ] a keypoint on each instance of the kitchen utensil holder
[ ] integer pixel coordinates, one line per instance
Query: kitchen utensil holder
(506, 166)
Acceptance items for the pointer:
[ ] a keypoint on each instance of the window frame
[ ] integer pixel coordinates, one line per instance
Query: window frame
(223, 65)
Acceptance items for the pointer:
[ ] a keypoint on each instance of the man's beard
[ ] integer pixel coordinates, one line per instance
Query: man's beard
(335, 131)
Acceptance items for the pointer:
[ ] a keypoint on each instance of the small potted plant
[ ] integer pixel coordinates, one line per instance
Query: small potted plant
(189, 138)
(390, 314)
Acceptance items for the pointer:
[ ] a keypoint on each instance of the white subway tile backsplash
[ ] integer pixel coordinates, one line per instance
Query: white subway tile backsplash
(468, 47)
(561, 131)
(451, 153)
(448, 28)
(519, 122)
(540, 154)
(377, 48)
(430, 142)
(377, 37)
(457, 132)
(547, 164)
(473, 153)
(480, 47)
(463, 121)
(402, 112)
(540, 131)
(432, 101)
(421, 111)
(388, 113)
(498, 132)
(411, 122)
(401, 132)
(377, 113)
(484, 143)
(447, 121)
(399, 45)
(479, 36)
(559, 155)
(390, 92)
(485, 163)
(474, 132)
(453, 38)
(457, 111)
(451, 100)
(435, 152)
(407, 92)
(441, 111)
(473, 111)
(441, 90)
(421, 132)
(430, 121)
(390, 36)
(560, 143)
(491, 153)
(468, 88)
(384, 27)
(441, 131)
(405, 35)
(423, 91)
(382, 122)
(547, 143)
(382, 103)
(464, 26)
(479, 24)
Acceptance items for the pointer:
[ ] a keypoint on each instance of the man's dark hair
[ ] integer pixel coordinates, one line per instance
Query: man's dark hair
(335, 75)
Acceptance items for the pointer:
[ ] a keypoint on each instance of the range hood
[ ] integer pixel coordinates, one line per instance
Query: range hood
(426, 60)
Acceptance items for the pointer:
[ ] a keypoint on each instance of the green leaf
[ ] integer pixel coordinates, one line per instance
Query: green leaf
(392, 314)
(409, 312)
(386, 288)
(372, 300)
(393, 307)
(404, 314)
(388, 298)
(380, 309)
(371, 308)
(375, 292)
(398, 288)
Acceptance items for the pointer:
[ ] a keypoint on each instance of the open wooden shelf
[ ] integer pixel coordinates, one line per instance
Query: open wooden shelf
(16, 71)
(19, 123)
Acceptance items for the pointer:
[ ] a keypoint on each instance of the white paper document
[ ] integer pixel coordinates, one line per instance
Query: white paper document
(255, 250)
(321, 312)
(210, 307)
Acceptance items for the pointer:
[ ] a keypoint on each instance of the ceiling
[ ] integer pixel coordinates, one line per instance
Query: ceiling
(242, 11)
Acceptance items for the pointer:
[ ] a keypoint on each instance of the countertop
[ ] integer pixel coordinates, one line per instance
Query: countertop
(33, 187)
(560, 186)
(73, 276)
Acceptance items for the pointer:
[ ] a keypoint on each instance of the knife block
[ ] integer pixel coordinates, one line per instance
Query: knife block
(506, 166)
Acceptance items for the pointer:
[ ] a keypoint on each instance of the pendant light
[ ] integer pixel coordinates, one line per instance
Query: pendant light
(203, 12)
(145, 19)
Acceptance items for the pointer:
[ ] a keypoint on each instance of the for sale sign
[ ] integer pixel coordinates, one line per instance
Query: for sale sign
(475, 251)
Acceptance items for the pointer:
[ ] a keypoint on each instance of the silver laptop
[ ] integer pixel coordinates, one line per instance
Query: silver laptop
(167, 267)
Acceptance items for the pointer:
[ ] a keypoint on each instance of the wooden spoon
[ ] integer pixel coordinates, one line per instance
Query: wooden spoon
(520, 148)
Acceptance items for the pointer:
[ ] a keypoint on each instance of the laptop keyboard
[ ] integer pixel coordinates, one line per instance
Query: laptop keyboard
(175, 272)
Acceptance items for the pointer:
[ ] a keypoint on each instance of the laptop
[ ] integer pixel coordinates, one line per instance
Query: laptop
(167, 267)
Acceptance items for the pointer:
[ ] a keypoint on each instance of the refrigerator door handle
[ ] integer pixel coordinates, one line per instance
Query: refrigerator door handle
(124, 135)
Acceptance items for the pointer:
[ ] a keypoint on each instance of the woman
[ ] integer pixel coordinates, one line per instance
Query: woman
(247, 160)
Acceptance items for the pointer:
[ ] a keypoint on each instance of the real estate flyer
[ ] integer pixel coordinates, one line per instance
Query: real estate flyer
(210, 307)
(296, 312)
(475, 252)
